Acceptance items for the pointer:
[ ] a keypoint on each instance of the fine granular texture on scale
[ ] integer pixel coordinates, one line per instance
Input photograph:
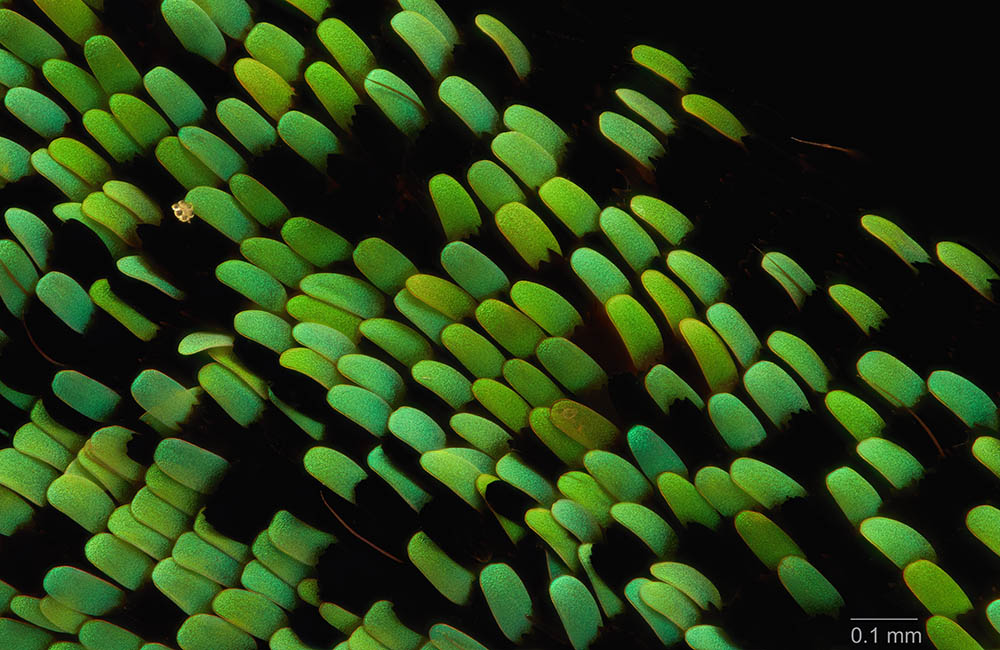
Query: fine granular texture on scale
(377, 325)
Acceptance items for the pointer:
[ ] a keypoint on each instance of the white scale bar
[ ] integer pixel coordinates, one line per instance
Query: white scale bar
(885, 619)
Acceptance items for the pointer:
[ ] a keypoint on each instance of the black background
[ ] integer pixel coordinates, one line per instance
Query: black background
(907, 89)
(907, 85)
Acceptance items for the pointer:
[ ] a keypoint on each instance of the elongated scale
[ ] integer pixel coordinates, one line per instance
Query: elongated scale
(404, 325)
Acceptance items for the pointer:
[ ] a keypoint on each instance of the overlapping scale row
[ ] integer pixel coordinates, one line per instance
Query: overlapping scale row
(538, 417)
